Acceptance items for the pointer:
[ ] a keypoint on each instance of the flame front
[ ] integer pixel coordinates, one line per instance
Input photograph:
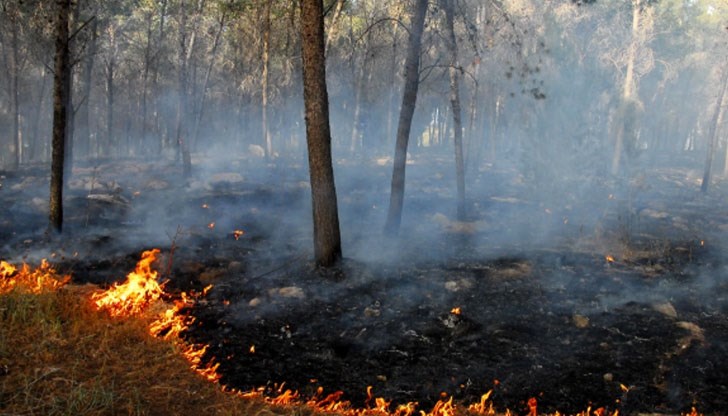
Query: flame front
(138, 291)
(44, 278)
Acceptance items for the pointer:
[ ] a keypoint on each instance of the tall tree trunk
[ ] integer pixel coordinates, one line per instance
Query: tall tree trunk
(34, 140)
(206, 79)
(455, 71)
(15, 74)
(409, 99)
(326, 235)
(393, 76)
(626, 105)
(61, 96)
(185, 52)
(163, 138)
(713, 130)
(144, 131)
(84, 115)
(265, 55)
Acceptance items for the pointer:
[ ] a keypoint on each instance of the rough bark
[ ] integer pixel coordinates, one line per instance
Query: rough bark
(61, 95)
(457, 124)
(713, 131)
(409, 99)
(327, 239)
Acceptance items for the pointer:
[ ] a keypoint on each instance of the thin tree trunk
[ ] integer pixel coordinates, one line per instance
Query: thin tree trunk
(84, 115)
(15, 74)
(35, 140)
(393, 76)
(713, 132)
(333, 27)
(456, 110)
(326, 235)
(628, 90)
(60, 114)
(265, 55)
(206, 80)
(409, 99)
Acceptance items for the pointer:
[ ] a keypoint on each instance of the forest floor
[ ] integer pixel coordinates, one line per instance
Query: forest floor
(587, 292)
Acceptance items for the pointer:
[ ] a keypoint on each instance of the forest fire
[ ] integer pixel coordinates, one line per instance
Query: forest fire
(138, 291)
(41, 279)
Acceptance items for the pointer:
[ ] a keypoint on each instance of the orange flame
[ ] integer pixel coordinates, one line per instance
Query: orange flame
(138, 291)
(238, 233)
(44, 278)
(609, 258)
(456, 311)
(480, 407)
(532, 407)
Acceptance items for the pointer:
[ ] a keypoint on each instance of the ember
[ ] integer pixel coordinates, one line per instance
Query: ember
(138, 291)
(238, 233)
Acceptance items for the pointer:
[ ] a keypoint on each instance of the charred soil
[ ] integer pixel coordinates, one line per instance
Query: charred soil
(613, 294)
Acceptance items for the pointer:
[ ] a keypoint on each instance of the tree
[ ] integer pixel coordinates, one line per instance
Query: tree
(409, 99)
(713, 128)
(454, 72)
(61, 101)
(327, 239)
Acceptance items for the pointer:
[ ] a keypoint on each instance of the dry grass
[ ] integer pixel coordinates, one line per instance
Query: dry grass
(60, 356)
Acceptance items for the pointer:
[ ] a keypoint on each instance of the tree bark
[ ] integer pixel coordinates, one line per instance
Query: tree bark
(713, 131)
(457, 124)
(409, 99)
(61, 96)
(326, 235)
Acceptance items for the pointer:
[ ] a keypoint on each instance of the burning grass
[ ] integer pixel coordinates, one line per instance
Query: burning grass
(70, 349)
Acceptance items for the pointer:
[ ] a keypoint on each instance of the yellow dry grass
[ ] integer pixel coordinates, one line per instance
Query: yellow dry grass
(60, 356)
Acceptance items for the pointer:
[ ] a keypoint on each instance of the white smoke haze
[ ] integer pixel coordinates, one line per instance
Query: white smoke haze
(541, 91)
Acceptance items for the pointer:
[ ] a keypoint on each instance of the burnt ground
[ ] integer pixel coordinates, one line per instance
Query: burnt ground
(543, 312)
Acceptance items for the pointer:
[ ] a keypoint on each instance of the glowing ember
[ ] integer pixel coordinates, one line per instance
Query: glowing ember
(456, 311)
(41, 279)
(138, 291)
(211, 225)
(609, 258)
(238, 233)
(252, 349)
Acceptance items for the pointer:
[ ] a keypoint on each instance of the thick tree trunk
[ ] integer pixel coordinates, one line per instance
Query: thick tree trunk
(457, 124)
(60, 114)
(327, 239)
(713, 131)
(409, 99)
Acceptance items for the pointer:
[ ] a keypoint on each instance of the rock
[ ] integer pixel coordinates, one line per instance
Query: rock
(226, 178)
(580, 321)
(666, 309)
(256, 150)
(288, 292)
